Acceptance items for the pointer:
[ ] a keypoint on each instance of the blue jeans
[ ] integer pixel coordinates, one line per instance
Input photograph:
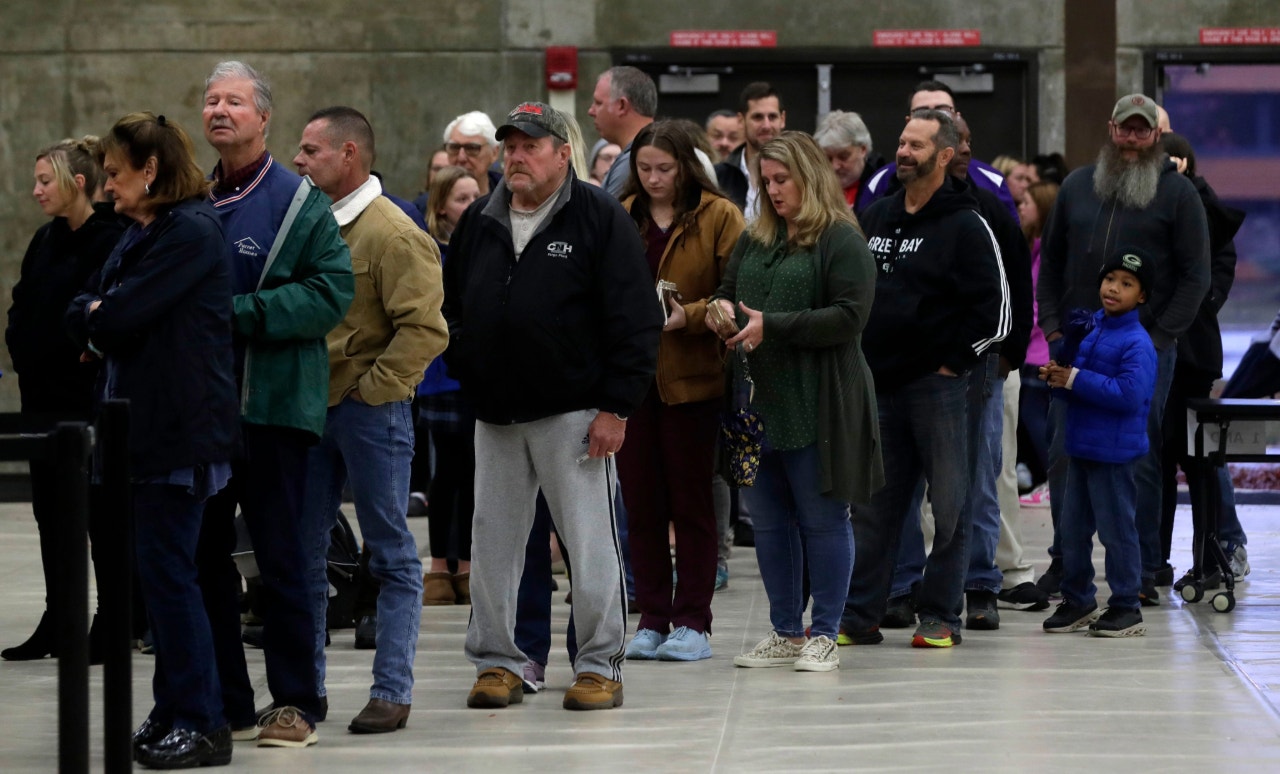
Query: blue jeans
(1101, 497)
(789, 510)
(186, 687)
(924, 431)
(373, 445)
(986, 404)
(533, 600)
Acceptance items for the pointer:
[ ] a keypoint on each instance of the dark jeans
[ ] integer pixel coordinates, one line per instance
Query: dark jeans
(533, 602)
(186, 687)
(925, 430)
(452, 499)
(1189, 383)
(1033, 422)
(1100, 498)
(268, 485)
(1147, 472)
(666, 468)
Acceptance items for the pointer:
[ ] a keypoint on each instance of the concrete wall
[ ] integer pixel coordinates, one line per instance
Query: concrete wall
(69, 67)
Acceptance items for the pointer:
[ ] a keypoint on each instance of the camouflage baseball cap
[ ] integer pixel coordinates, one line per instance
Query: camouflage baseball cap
(536, 119)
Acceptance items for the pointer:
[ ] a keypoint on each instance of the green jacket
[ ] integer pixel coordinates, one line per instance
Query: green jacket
(848, 419)
(303, 293)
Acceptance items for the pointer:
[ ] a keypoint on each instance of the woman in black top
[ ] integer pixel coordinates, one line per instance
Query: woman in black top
(159, 317)
(53, 383)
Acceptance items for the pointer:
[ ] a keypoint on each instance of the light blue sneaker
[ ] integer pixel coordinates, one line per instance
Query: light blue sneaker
(722, 577)
(685, 644)
(644, 646)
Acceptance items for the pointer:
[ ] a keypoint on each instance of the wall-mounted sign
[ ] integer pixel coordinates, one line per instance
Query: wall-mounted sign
(724, 38)
(1240, 36)
(926, 38)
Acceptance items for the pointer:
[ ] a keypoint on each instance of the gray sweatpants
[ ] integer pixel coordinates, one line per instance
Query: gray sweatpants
(512, 462)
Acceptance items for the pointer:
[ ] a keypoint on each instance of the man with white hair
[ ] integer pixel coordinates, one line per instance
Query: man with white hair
(844, 137)
(471, 142)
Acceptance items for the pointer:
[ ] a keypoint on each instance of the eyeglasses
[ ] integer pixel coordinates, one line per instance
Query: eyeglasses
(1140, 132)
(944, 108)
(473, 149)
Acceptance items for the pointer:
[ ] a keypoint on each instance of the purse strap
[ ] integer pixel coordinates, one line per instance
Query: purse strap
(746, 374)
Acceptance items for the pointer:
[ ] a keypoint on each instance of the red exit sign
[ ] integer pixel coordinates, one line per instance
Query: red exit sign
(1239, 36)
(724, 39)
(926, 38)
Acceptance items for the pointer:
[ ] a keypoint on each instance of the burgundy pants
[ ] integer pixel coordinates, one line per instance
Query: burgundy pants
(665, 468)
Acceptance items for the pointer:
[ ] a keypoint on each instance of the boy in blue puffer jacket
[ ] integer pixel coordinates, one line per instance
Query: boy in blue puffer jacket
(1108, 388)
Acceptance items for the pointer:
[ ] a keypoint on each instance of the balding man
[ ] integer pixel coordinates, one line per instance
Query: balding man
(291, 276)
(624, 102)
(377, 355)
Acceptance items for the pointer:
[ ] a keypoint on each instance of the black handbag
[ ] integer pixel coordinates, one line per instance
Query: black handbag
(741, 429)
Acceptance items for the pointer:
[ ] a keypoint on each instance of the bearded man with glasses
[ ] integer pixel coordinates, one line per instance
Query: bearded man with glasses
(1133, 196)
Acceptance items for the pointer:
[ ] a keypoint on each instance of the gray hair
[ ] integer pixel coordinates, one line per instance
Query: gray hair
(236, 69)
(474, 124)
(841, 130)
(948, 135)
(636, 86)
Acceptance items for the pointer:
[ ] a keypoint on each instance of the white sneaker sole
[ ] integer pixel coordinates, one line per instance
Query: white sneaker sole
(1137, 630)
(807, 665)
(763, 663)
(311, 739)
(1077, 625)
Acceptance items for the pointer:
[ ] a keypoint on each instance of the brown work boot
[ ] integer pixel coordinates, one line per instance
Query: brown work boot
(380, 717)
(591, 691)
(496, 688)
(285, 727)
(462, 588)
(437, 589)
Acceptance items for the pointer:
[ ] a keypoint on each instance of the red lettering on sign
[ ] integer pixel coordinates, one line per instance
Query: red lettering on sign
(926, 38)
(1239, 36)
(724, 38)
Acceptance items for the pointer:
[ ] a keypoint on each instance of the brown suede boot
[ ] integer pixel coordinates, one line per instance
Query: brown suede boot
(437, 589)
(462, 588)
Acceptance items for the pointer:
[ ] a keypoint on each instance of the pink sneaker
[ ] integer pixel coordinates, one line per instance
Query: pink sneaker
(1036, 498)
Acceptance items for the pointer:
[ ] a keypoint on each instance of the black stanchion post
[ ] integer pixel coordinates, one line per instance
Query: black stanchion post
(70, 446)
(116, 513)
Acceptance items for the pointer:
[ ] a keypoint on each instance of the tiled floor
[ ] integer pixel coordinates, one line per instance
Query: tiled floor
(1200, 693)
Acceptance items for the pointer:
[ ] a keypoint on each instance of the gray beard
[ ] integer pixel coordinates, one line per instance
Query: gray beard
(1133, 184)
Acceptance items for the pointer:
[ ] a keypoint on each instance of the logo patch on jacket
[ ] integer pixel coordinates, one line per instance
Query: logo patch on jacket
(559, 249)
(247, 246)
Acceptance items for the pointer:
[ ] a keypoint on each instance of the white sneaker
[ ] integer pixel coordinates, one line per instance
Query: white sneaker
(818, 655)
(1239, 559)
(772, 651)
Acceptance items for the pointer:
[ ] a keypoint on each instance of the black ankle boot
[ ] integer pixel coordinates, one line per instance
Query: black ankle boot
(37, 646)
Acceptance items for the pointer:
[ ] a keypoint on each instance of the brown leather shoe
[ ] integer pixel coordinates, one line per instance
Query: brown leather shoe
(380, 717)
(437, 589)
(462, 588)
(591, 691)
(496, 688)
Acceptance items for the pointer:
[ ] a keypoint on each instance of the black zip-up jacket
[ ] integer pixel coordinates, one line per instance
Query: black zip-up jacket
(573, 324)
(1083, 231)
(58, 263)
(733, 184)
(165, 328)
(941, 294)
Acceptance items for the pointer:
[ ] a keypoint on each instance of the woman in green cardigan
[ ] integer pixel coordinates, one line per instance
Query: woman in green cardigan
(802, 280)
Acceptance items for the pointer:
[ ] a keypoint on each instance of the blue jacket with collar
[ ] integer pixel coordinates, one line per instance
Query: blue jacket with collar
(1110, 398)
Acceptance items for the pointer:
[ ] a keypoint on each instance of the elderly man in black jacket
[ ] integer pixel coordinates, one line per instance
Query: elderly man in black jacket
(554, 328)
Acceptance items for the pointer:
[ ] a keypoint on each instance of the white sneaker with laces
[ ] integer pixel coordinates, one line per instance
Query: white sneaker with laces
(818, 655)
(772, 651)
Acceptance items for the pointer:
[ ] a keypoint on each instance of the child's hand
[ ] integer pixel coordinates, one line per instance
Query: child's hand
(1056, 375)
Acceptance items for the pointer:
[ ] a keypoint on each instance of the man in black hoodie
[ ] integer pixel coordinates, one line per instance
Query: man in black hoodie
(941, 302)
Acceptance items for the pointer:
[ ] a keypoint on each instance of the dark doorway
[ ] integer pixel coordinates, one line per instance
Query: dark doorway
(996, 90)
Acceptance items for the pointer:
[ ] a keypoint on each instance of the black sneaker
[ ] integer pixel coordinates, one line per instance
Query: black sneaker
(1164, 575)
(1070, 618)
(1051, 582)
(983, 615)
(1119, 622)
(869, 637)
(900, 613)
(1211, 581)
(1149, 596)
(1024, 596)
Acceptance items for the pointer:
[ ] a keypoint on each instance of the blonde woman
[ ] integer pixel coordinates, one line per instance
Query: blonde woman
(801, 281)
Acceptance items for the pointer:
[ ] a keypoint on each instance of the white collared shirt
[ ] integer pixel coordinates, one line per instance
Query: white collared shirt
(752, 208)
(349, 207)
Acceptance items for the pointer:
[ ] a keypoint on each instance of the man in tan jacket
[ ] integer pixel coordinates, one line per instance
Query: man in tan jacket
(377, 355)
